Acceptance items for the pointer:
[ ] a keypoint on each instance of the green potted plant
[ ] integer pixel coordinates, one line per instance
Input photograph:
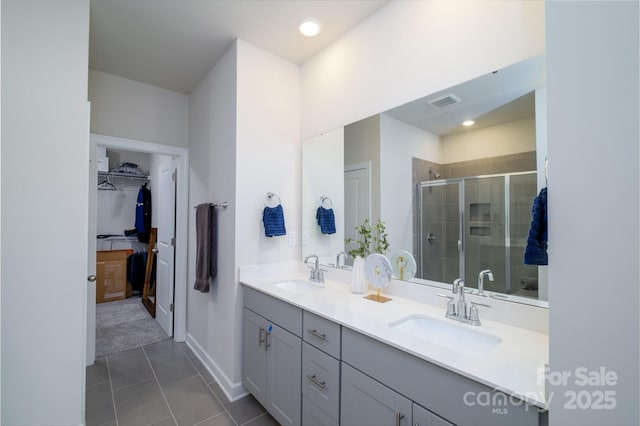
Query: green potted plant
(371, 239)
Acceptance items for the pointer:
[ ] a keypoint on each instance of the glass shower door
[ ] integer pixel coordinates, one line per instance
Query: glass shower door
(440, 231)
(484, 232)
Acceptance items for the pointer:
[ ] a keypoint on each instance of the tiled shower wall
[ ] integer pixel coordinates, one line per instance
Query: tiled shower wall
(441, 256)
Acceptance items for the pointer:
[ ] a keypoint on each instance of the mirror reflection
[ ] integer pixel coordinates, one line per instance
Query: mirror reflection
(456, 197)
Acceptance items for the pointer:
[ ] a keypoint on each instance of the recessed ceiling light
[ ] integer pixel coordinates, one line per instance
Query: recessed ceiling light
(468, 123)
(310, 27)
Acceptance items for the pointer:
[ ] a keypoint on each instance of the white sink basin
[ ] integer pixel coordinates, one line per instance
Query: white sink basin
(448, 334)
(298, 286)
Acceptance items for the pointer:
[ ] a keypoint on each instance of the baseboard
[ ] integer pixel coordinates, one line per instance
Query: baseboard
(233, 391)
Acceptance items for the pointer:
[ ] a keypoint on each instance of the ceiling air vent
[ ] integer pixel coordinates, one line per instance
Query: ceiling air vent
(444, 101)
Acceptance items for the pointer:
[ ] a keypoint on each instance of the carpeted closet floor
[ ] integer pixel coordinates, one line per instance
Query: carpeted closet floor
(123, 325)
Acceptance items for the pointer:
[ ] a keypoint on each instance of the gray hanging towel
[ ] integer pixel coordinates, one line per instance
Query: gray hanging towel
(206, 246)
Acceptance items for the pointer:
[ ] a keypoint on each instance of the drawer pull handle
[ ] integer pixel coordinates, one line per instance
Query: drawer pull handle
(399, 416)
(316, 382)
(318, 335)
(260, 338)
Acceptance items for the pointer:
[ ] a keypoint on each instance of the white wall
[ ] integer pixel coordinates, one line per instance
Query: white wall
(412, 48)
(268, 153)
(323, 175)
(592, 90)
(133, 110)
(212, 326)
(45, 159)
(245, 142)
(399, 143)
(513, 137)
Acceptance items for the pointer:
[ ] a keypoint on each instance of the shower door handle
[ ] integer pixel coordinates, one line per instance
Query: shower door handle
(459, 245)
(431, 237)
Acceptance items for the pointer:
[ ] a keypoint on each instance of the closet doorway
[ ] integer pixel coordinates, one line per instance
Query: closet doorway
(167, 168)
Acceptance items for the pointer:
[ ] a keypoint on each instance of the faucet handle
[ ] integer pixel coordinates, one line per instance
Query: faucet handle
(451, 305)
(473, 312)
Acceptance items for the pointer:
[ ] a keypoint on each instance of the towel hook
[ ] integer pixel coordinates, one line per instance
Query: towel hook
(272, 200)
(326, 202)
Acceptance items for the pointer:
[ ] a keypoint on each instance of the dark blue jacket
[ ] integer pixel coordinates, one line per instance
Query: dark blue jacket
(535, 253)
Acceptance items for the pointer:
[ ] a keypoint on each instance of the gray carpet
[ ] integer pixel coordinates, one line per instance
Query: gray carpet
(125, 324)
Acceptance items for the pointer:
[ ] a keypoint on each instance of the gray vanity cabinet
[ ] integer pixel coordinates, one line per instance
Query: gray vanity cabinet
(451, 396)
(320, 371)
(254, 355)
(368, 402)
(424, 417)
(272, 355)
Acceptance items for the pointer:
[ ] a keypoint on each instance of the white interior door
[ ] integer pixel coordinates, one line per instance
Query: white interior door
(164, 208)
(91, 257)
(356, 198)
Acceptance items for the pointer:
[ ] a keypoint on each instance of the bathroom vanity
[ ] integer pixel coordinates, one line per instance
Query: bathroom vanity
(317, 354)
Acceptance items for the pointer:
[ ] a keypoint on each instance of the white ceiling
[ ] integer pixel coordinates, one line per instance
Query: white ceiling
(494, 98)
(174, 43)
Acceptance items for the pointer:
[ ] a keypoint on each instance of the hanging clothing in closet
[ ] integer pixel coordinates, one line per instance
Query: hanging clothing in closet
(143, 214)
(136, 270)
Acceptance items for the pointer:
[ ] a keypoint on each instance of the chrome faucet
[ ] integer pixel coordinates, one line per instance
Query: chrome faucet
(316, 274)
(458, 310)
(461, 306)
(338, 258)
(481, 275)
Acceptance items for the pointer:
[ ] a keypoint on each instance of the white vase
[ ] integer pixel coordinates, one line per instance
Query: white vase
(359, 283)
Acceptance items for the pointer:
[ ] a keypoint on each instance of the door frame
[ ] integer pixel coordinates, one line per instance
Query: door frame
(181, 156)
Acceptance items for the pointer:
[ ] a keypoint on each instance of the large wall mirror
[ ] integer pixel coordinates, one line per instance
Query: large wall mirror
(457, 198)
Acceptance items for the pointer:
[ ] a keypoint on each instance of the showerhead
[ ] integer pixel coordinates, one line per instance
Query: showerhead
(436, 175)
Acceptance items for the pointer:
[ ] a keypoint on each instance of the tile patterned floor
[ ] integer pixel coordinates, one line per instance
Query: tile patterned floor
(163, 384)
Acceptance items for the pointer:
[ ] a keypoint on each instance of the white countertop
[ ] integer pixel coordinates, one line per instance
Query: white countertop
(514, 367)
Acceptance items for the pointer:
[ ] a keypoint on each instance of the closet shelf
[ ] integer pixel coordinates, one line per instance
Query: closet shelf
(123, 175)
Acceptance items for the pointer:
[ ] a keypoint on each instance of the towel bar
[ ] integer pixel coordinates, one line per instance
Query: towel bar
(223, 204)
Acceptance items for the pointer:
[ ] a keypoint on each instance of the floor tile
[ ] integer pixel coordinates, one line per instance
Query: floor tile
(99, 404)
(98, 372)
(166, 422)
(162, 348)
(199, 366)
(129, 371)
(242, 410)
(191, 401)
(263, 420)
(124, 354)
(172, 367)
(141, 404)
(222, 419)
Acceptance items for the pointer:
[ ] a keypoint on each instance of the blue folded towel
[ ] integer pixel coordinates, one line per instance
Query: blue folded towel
(535, 253)
(273, 218)
(326, 220)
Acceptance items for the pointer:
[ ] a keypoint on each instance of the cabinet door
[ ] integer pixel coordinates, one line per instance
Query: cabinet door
(424, 417)
(284, 360)
(254, 355)
(365, 401)
(312, 415)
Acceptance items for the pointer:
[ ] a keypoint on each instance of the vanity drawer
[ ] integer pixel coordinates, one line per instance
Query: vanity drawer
(281, 313)
(321, 379)
(322, 333)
